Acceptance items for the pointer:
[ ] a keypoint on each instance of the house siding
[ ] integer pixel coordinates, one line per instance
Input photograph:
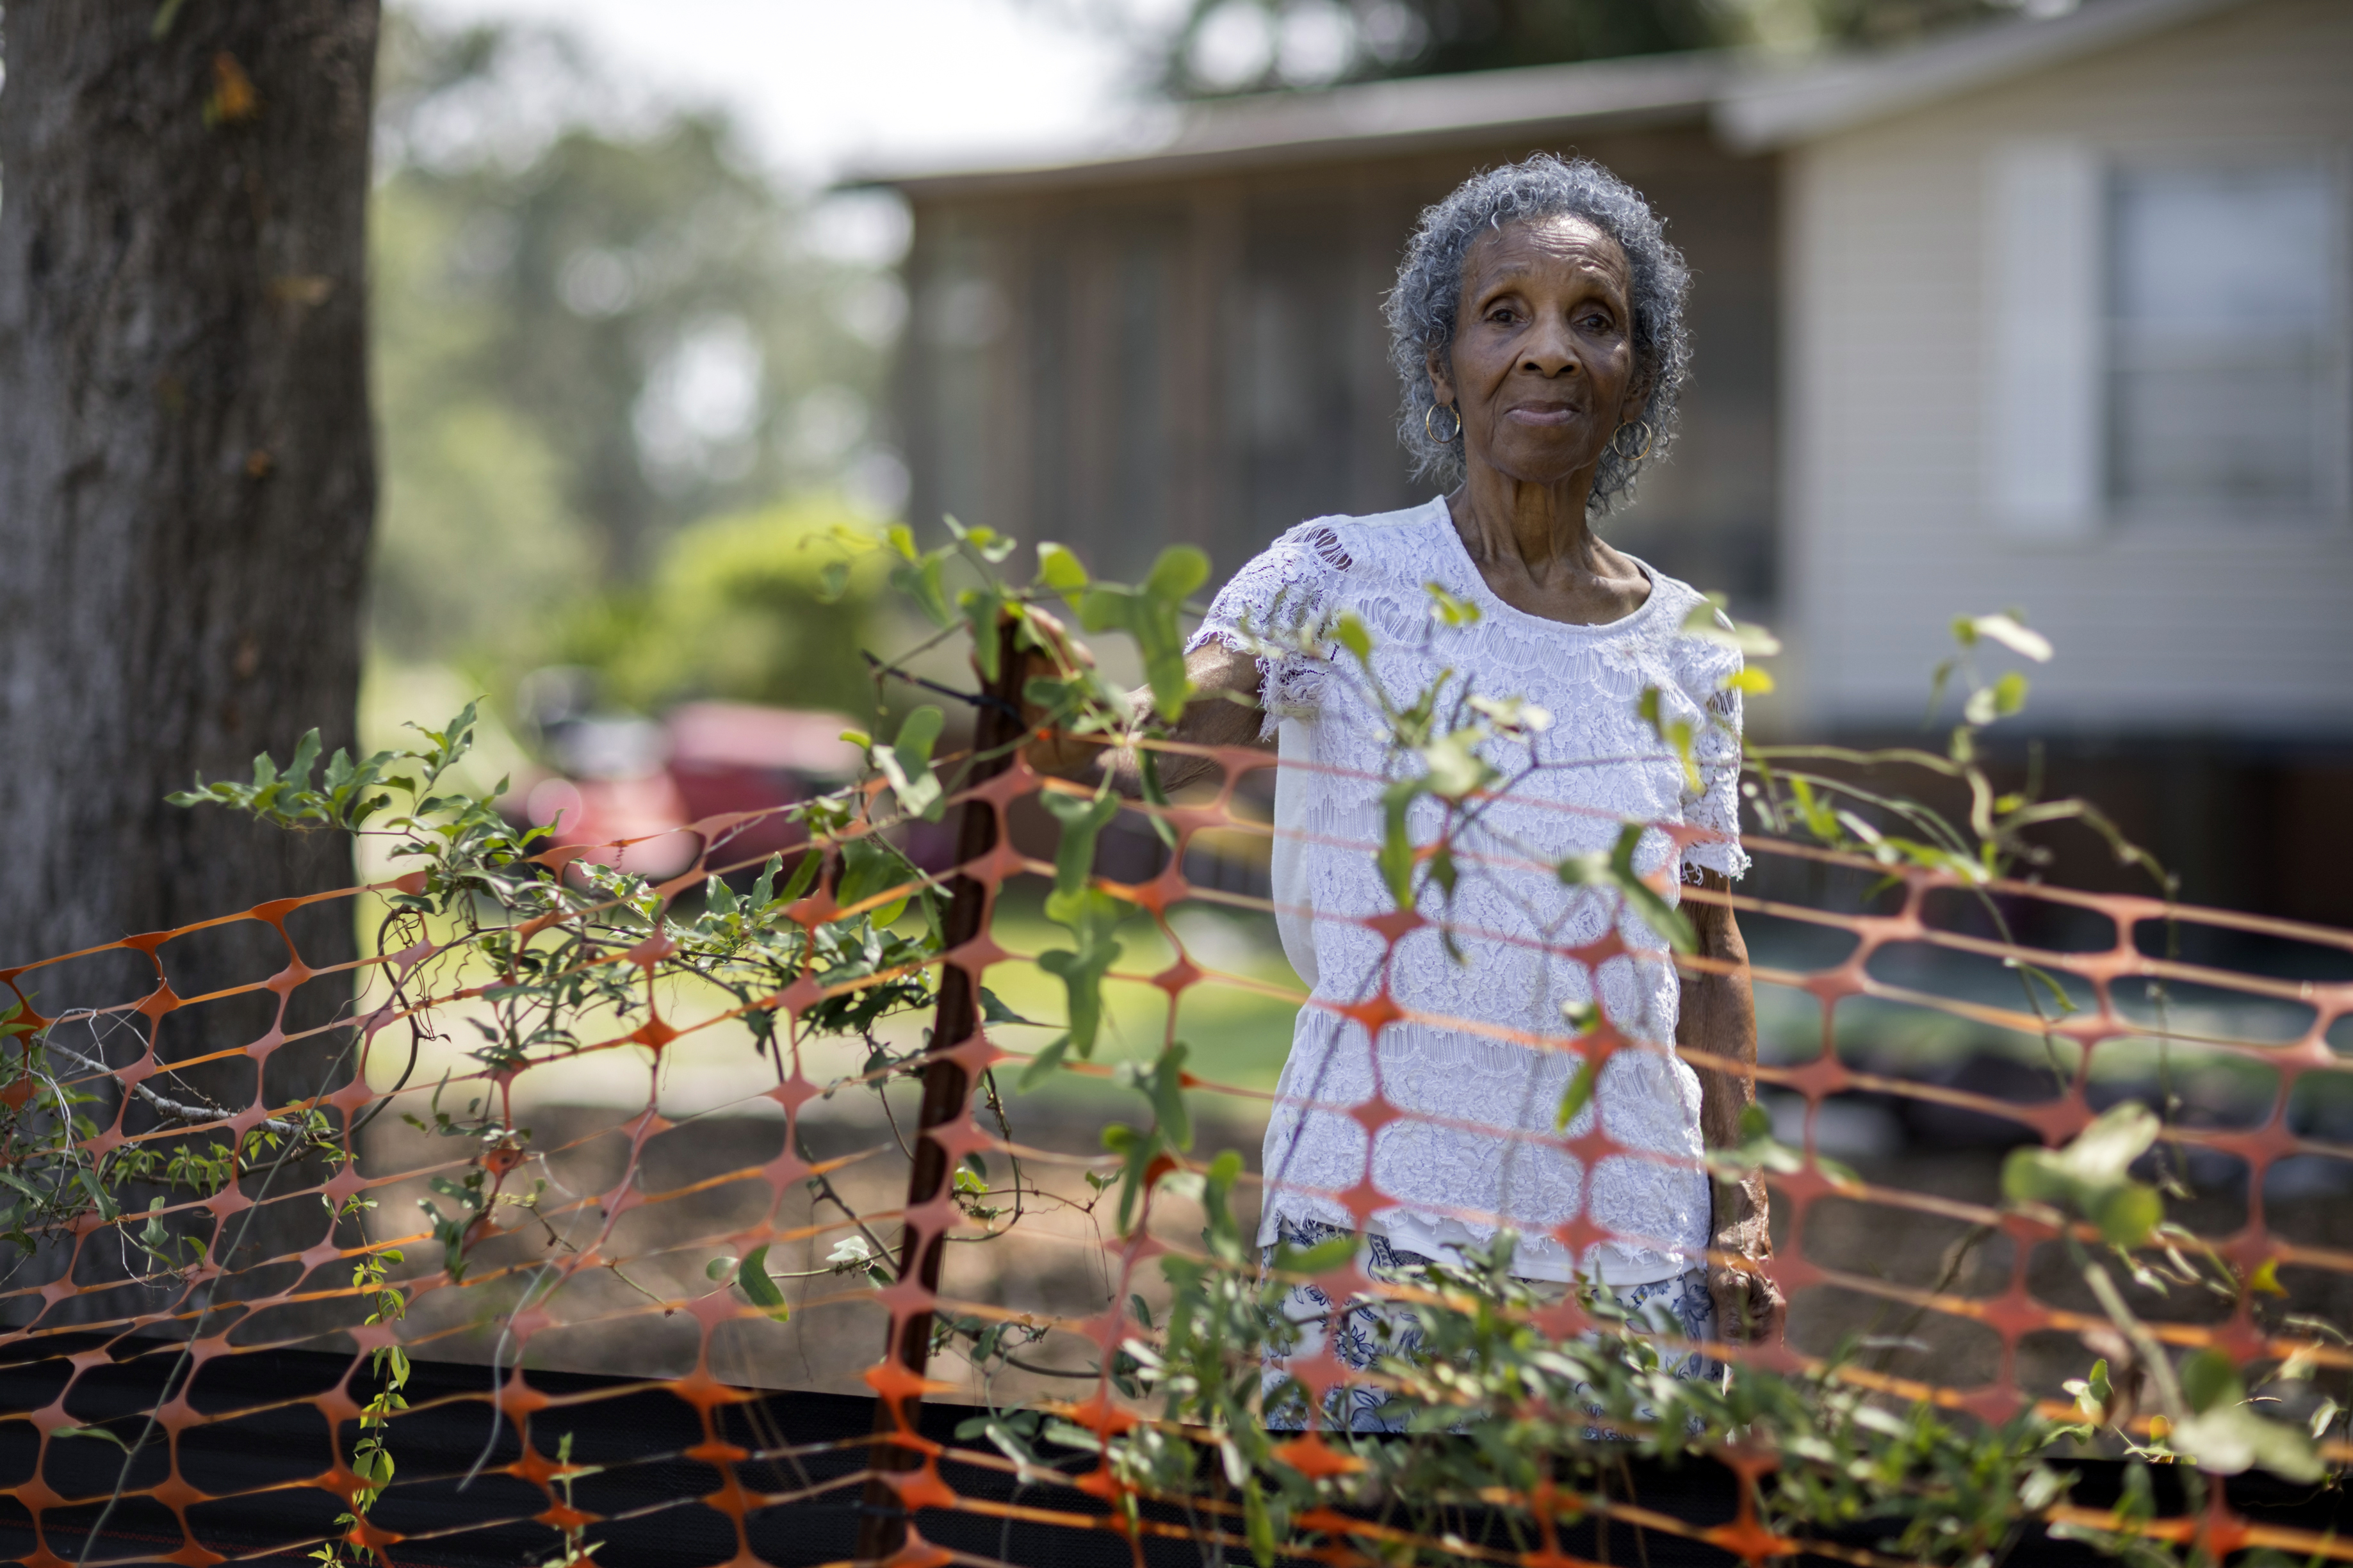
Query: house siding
(2211, 624)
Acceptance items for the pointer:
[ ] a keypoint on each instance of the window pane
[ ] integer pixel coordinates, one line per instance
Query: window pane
(2243, 435)
(2223, 248)
(2221, 350)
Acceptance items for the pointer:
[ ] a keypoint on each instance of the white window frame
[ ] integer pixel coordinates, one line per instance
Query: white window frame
(2333, 415)
(2044, 306)
(2049, 333)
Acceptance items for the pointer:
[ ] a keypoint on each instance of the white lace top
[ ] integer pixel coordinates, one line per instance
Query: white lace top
(1476, 1146)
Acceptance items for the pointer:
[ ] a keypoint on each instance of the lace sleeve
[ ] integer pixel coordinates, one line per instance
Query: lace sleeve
(1708, 669)
(1274, 608)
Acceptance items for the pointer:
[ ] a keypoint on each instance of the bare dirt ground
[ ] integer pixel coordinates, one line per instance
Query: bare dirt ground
(702, 1184)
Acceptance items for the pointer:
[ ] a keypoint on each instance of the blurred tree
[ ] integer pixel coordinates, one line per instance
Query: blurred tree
(186, 488)
(598, 324)
(765, 607)
(1222, 47)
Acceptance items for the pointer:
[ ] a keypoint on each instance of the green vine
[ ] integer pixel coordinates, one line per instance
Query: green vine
(1508, 1421)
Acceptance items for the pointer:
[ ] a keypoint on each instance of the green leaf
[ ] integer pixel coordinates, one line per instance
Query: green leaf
(718, 898)
(2231, 1437)
(1011, 1444)
(763, 886)
(919, 579)
(803, 875)
(2126, 1213)
(1042, 1066)
(1758, 1148)
(2103, 1151)
(1136, 1152)
(1257, 1523)
(985, 542)
(98, 1431)
(992, 1010)
(2009, 631)
(1448, 609)
(866, 869)
(1082, 818)
(2209, 1378)
(1333, 1252)
(1091, 916)
(1674, 733)
(1148, 773)
(1177, 574)
(1149, 615)
(1164, 1084)
(1350, 634)
(981, 607)
(1574, 1098)
(1710, 622)
(1456, 769)
(907, 763)
(1444, 872)
(99, 1196)
(1396, 858)
(305, 761)
(751, 1278)
(1061, 570)
(1223, 1234)
(2088, 1176)
(1657, 913)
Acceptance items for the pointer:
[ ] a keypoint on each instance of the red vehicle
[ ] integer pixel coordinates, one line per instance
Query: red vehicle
(641, 781)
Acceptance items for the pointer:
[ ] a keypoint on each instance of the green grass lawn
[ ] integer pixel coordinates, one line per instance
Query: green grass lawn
(1237, 1034)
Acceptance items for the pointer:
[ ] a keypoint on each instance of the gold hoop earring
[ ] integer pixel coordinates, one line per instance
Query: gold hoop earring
(1647, 436)
(1431, 412)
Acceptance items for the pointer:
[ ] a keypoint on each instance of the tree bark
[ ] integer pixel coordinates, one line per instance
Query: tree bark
(187, 486)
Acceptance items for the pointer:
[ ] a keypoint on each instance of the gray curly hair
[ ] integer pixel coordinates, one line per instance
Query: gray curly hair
(1421, 308)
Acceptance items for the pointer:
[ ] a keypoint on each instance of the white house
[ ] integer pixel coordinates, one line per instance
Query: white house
(2066, 326)
(2053, 316)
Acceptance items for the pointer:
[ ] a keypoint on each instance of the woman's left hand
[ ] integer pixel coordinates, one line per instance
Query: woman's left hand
(1750, 1308)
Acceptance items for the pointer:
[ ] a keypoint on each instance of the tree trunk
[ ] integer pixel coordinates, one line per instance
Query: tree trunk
(188, 485)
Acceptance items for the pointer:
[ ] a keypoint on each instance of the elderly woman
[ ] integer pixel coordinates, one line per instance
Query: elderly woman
(1537, 329)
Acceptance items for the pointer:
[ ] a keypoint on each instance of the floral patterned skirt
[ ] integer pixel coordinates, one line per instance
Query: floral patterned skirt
(1369, 1328)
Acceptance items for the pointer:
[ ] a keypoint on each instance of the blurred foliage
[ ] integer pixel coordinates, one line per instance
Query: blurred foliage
(597, 325)
(764, 607)
(1223, 47)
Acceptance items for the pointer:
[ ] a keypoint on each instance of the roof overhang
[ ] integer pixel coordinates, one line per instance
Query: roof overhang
(1765, 110)
(1371, 119)
(1753, 104)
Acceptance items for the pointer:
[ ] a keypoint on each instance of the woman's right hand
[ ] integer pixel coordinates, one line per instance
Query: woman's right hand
(1217, 673)
(1046, 749)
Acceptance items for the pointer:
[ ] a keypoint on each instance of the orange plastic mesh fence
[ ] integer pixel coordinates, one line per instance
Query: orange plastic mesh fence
(624, 1175)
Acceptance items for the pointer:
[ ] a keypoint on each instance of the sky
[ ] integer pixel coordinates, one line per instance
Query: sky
(824, 87)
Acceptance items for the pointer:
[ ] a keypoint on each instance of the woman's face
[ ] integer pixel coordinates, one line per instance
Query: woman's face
(1542, 367)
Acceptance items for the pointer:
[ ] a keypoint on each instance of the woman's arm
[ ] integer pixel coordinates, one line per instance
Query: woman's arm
(1223, 712)
(1718, 1017)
